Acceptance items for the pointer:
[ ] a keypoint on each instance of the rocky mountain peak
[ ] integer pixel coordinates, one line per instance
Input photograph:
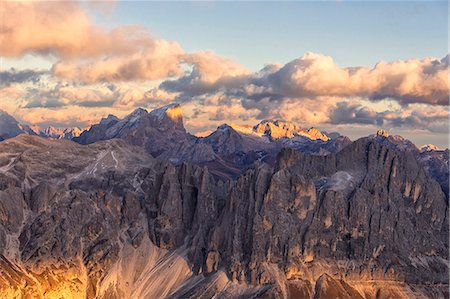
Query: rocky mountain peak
(109, 119)
(428, 148)
(55, 133)
(363, 220)
(276, 129)
(315, 134)
(382, 133)
(170, 112)
(9, 126)
(139, 112)
(224, 127)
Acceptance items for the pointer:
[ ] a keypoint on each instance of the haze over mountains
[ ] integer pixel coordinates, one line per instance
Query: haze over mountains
(139, 208)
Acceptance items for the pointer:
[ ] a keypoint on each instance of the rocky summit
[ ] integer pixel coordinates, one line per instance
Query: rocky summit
(139, 208)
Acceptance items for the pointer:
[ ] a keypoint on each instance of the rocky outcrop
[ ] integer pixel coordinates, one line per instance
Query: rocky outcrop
(116, 223)
(227, 152)
(433, 160)
(160, 132)
(366, 213)
(110, 225)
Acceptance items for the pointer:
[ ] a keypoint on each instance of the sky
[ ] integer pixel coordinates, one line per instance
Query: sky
(346, 66)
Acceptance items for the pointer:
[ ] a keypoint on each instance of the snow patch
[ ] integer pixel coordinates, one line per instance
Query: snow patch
(341, 180)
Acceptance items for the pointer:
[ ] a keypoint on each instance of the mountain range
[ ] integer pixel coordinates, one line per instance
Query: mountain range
(140, 208)
(10, 127)
(231, 149)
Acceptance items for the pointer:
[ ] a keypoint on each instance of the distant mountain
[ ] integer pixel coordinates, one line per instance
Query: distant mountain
(10, 127)
(60, 133)
(227, 151)
(231, 149)
(282, 129)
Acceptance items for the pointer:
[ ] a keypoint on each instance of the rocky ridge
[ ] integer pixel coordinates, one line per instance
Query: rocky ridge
(231, 149)
(227, 152)
(365, 222)
(10, 128)
(433, 160)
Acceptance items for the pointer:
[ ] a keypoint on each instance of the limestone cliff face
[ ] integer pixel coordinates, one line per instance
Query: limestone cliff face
(108, 221)
(366, 213)
(102, 221)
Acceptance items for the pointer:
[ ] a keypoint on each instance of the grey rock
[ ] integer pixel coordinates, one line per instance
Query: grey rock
(80, 218)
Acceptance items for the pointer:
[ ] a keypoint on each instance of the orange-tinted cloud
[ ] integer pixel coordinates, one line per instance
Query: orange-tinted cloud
(409, 81)
(87, 53)
(315, 75)
(312, 89)
(158, 61)
(62, 29)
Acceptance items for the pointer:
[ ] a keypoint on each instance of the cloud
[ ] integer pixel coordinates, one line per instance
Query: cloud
(209, 73)
(114, 96)
(62, 95)
(409, 81)
(315, 75)
(62, 29)
(86, 52)
(347, 113)
(158, 61)
(63, 117)
(13, 76)
(418, 116)
(99, 70)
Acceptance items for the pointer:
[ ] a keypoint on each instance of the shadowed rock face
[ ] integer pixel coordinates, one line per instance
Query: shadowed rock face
(230, 150)
(366, 213)
(434, 161)
(101, 221)
(108, 221)
(9, 127)
(227, 152)
(161, 133)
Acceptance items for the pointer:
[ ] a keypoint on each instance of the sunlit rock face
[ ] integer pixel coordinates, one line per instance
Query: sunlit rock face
(382, 133)
(282, 129)
(100, 221)
(60, 133)
(107, 220)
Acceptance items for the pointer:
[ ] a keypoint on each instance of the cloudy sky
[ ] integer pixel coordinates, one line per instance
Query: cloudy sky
(344, 66)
